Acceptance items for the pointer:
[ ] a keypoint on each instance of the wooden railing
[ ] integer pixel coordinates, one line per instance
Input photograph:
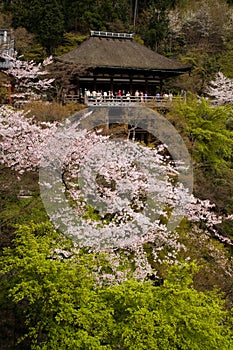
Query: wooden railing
(119, 100)
(73, 99)
(124, 100)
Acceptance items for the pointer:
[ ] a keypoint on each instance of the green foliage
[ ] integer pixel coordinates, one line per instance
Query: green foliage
(101, 15)
(138, 39)
(209, 254)
(20, 202)
(172, 316)
(155, 29)
(69, 42)
(226, 60)
(204, 66)
(47, 22)
(65, 309)
(51, 289)
(43, 18)
(208, 134)
(206, 127)
(22, 210)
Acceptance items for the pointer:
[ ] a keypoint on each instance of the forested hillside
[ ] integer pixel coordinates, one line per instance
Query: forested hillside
(107, 243)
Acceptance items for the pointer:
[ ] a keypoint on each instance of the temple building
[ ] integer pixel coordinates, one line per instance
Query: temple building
(109, 61)
(6, 47)
(6, 51)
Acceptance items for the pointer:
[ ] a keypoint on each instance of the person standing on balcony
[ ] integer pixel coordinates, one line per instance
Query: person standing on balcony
(128, 96)
(119, 96)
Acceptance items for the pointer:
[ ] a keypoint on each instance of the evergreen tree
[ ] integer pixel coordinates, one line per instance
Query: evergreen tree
(43, 18)
(154, 22)
(47, 22)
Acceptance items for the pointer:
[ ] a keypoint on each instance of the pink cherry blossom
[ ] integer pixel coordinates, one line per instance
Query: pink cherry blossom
(29, 78)
(132, 188)
(221, 89)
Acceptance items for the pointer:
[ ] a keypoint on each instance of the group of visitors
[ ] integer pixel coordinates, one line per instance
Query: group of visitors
(123, 96)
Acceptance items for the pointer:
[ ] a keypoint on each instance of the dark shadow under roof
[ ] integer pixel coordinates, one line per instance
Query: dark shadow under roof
(120, 52)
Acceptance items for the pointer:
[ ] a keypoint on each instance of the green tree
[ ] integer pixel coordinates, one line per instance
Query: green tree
(207, 130)
(153, 22)
(209, 137)
(43, 18)
(171, 316)
(20, 10)
(47, 23)
(54, 290)
(226, 59)
(96, 15)
(51, 283)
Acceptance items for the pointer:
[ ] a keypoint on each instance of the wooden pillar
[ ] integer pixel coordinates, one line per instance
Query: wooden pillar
(77, 92)
(130, 86)
(77, 87)
(146, 86)
(161, 85)
(111, 84)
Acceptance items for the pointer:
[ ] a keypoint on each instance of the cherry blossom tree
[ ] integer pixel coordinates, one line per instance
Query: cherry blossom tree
(22, 139)
(28, 78)
(221, 89)
(106, 194)
(204, 24)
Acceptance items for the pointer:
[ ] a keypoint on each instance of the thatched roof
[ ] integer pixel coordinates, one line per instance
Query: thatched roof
(120, 52)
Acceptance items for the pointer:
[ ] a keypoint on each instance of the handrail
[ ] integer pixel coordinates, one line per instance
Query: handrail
(120, 100)
(112, 34)
(125, 99)
(110, 99)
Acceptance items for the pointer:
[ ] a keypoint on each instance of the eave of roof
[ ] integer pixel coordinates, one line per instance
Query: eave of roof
(107, 52)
